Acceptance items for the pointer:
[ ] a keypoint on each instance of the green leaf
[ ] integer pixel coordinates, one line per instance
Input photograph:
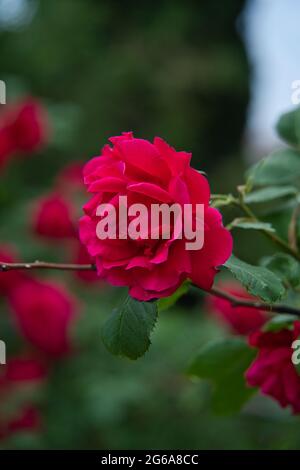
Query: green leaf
(127, 331)
(224, 362)
(168, 302)
(258, 280)
(288, 127)
(280, 167)
(247, 223)
(280, 322)
(270, 193)
(285, 267)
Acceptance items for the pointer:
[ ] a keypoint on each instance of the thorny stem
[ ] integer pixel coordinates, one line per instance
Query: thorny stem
(235, 301)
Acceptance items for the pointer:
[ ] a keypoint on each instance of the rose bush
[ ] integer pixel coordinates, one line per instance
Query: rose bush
(155, 173)
(151, 173)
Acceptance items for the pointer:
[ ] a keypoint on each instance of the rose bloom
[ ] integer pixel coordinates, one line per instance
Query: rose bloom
(18, 373)
(150, 174)
(10, 279)
(54, 217)
(241, 320)
(23, 129)
(27, 126)
(69, 178)
(6, 146)
(272, 370)
(44, 312)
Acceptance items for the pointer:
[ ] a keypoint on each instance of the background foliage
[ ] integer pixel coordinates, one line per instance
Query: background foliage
(175, 69)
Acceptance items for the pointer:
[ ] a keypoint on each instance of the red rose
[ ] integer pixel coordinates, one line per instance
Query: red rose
(44, 313)
(54, 217)
(28, 419)
(10, 279)
(272, 370)
(70, 178)
(6, 146)
(151, 174)
(22, 370)
(241, 320)
(26, 123)
(17, 374)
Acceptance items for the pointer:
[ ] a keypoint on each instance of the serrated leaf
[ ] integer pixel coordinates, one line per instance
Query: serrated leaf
(285, 267)
(258, 280)
(270, 193)
(127, 331)
(280, 322)
(224, 362)
(168, 302)
(280, 167)
(247, 223)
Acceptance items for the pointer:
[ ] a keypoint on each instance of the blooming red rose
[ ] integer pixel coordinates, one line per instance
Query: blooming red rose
(241, 320)
(9, 279)
(272, 370)
(151, 174)
(15, 375)
(54, 217)
(44, 312)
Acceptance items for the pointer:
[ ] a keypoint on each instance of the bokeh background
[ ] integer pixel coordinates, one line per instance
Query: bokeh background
(210, 78)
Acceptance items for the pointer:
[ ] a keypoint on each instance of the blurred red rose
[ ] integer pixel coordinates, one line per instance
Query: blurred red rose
(54, 217)
(70, 178)
(44, 312)
(241, 320)
(22, 369)
(9, 279)
(272, 370)
(6, 146)
(18, 373)
(151, 173)
(28, 419)
(27, 126)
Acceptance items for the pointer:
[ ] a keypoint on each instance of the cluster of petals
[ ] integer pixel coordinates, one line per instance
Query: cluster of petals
(151, 173)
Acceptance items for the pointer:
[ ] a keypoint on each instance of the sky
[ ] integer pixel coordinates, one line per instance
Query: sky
(272, 36)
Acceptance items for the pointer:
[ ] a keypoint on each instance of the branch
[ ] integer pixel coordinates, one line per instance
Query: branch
(238, 302)
(44, 265)
(235, 301)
